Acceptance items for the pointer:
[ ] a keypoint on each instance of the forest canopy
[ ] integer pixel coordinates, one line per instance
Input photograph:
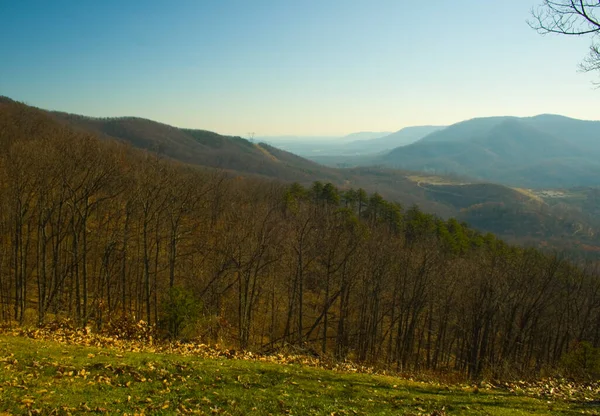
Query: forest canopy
(96, 231)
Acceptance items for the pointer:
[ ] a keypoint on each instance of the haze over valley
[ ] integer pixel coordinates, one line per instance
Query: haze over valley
(328, 208)
(355, 144)
(547, 214)
(542, 151)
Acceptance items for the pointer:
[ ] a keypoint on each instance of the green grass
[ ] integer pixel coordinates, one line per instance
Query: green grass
(42, 377)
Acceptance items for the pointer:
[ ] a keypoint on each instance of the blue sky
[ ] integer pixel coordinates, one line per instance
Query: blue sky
(311, 67)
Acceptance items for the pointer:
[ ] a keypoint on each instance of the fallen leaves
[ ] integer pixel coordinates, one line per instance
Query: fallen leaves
(174, 375)
(125, 336)
(27, 402)
(554, 388)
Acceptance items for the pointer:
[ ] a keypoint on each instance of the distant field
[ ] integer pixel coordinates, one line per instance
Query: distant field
(574, 194)
(531, 194)
(48, 377)
(435, 180)
(445, 181)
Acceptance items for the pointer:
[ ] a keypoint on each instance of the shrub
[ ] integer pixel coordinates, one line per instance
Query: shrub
(583, 361)
(179, 311)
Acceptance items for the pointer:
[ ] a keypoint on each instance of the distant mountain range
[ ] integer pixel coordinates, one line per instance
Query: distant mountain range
(566, 218)
(541, 151)
(363, 136)
(362, 144)
(202, 147)
(545, 151)
(390, 141)
(206, 149)
(368, 142)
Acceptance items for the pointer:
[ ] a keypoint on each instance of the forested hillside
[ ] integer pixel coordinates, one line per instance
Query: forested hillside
(498, 209)
(542, 151)
(240, 156)
(96, 231)
(201, 147)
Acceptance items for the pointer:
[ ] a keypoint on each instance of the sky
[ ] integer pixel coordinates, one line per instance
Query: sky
(283, 67)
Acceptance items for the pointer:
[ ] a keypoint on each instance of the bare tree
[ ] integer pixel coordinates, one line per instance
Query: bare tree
(574, 18)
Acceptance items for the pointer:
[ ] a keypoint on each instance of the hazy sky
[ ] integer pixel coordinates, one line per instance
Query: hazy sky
(310, 67)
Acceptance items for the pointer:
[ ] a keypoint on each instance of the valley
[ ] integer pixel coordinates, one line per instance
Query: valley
(553, 217)
(537, 220)
(221, 240)
(300, 208)
(545, 151)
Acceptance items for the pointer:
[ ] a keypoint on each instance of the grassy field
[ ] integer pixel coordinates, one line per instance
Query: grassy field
(47, 377)
(435, 180)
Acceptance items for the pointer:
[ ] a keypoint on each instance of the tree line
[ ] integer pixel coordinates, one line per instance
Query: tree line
(97, 231)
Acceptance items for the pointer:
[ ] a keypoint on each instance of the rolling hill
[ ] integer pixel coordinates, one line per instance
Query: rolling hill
(366, 152)
(489, 207)
(537, 152)
(497, 208)
(201, 147)
(402, 137)
(364, 146)
(211, 150)
(364, 136)
(505, 211)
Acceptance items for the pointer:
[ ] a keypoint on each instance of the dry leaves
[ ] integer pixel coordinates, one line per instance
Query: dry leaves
(127, 336)
(554, 388)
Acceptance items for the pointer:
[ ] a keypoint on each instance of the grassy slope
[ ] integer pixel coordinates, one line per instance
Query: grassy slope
(41, 376)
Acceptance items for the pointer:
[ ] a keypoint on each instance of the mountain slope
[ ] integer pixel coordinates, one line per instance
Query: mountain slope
(211, 150)
(541, 151)
(201, 147)
(584, 133)
(402, 137)
(366, 152)
(353, 149)
(241, 157)
(364, 135)
(208, 149)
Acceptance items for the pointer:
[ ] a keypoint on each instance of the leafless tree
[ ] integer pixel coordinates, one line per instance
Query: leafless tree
(574, 18)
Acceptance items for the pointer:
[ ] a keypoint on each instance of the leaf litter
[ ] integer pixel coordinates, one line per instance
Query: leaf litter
(140, 338)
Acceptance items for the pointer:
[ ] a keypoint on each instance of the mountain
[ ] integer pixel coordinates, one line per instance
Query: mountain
(363, 135)
(240, 156)
(105, 234)
(310, 146)
(402, 137)
(511, 213)
(350, 150)
(584, 132)
(295, 139)
(235, 154)
(201, 147)
(365, 152)
(316, 146)
(541, 151)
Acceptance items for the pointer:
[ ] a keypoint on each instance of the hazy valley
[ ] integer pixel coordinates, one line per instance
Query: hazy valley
(318, 208)
(545, 151)
(548, 216)
(223, 240)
